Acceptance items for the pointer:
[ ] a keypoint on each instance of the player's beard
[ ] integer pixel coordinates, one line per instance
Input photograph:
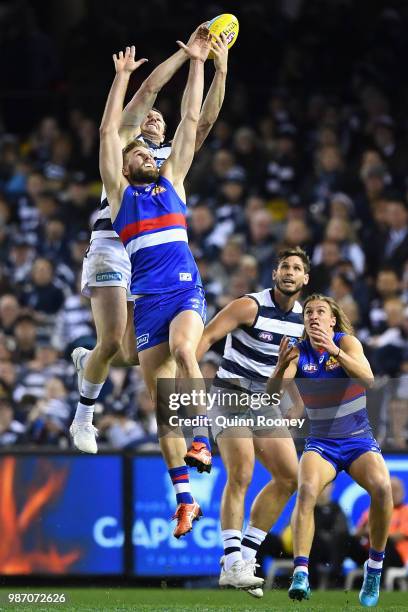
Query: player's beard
(141, 175)
(286, 291)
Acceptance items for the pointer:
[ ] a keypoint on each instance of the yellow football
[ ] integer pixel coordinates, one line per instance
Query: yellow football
(226, 23)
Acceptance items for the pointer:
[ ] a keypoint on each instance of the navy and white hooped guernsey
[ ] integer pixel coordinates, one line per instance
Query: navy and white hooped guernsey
(251, 352)
(151, 223)
(336, 404)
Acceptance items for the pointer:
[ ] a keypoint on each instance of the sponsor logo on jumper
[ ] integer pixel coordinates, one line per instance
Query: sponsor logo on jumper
(108, 276)
(185, 276)
(158, 189)
(141, 340)
(264, 335)
(332, 364)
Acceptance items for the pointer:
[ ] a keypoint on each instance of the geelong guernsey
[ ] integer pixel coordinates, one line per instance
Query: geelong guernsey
(102, 227)
(152, 226)
(335, 403)
(251, 352)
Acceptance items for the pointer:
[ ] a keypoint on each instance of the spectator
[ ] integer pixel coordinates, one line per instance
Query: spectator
(395, 251)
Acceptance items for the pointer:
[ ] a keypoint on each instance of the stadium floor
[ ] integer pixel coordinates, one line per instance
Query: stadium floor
(178, 600)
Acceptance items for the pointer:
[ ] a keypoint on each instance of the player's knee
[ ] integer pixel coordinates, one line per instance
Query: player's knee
(381, 492)
(240, 479)
(110, 345)
(184, 355)
(307, 494)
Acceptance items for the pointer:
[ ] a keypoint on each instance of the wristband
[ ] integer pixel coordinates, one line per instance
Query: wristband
(338, 353)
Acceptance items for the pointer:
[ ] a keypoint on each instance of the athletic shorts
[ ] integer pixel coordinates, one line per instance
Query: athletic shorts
(341, 452)
(106, 264)
(154, 313)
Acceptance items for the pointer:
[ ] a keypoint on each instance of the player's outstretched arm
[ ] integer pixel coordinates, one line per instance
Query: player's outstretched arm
(178, 164)
(239, 312)
(110, 149)
(215, 96)
(142, 102)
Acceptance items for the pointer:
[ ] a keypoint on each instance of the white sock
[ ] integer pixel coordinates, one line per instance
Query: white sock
(232, 547)
(301, 568)
(251, 541)
(85, 408)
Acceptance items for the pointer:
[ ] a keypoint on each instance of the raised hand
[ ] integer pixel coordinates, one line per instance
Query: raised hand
(200, 45)
(287, 353)
(219, 48)
(323, 340)
(125, 62)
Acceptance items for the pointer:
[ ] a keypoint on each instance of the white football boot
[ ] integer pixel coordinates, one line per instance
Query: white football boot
(78, 356)
(84, 437)
(240, 576)
(256, 592)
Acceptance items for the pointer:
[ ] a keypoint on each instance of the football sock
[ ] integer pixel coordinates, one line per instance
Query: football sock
(181, 484)
(202, 439)
(232, 547)
(375, 561)
(301, 564)
(89, 394)
(251, 541)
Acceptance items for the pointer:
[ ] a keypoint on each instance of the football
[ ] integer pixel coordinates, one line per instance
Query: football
(226, 23)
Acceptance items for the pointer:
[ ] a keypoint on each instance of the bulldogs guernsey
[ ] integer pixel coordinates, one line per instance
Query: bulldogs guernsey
(152, 226)
(102, 226)
(335, 403)
(251, 352)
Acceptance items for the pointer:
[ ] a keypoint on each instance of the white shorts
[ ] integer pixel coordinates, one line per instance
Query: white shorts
(106, 264)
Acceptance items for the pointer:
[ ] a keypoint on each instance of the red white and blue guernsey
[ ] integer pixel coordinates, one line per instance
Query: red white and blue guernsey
(151, 223)
(336, 406)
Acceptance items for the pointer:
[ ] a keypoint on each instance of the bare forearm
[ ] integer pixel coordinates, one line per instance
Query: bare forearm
(145, 97)
(214, 99)
(275, 382)
(111, 119)
(203, 346)
(193, 93)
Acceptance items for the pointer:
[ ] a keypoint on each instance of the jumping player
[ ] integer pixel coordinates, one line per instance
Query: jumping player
(106, 270)
(148, 213)
(254, 325)
(340, 435)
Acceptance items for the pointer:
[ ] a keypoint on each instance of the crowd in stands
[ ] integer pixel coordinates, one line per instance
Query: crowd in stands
(325, 168)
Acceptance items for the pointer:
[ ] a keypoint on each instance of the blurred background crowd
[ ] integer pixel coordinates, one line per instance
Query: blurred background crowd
(310, 149)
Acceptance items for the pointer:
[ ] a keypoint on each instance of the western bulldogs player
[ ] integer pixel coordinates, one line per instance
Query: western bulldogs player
(332, 373)
(148, 213)
(254, 326)
(106, 269)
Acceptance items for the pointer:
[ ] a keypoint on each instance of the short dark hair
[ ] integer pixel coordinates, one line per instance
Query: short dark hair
(129, 147)
(295, 252)
(160, 113)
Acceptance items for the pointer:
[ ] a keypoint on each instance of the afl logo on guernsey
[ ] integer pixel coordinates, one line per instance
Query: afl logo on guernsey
(309, 367)
(266, 336)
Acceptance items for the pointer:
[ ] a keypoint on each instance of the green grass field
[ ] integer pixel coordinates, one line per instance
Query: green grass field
(178, 600)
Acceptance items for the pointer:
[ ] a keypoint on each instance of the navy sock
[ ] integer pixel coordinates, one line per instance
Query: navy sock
(203, 440)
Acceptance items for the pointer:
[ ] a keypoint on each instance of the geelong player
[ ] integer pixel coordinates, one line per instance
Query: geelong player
(106, 270)
(148, 213)
(254, 326)
(332, 373)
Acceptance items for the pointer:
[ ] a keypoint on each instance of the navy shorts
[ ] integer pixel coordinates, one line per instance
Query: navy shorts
(341, 452)
(154, 313)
